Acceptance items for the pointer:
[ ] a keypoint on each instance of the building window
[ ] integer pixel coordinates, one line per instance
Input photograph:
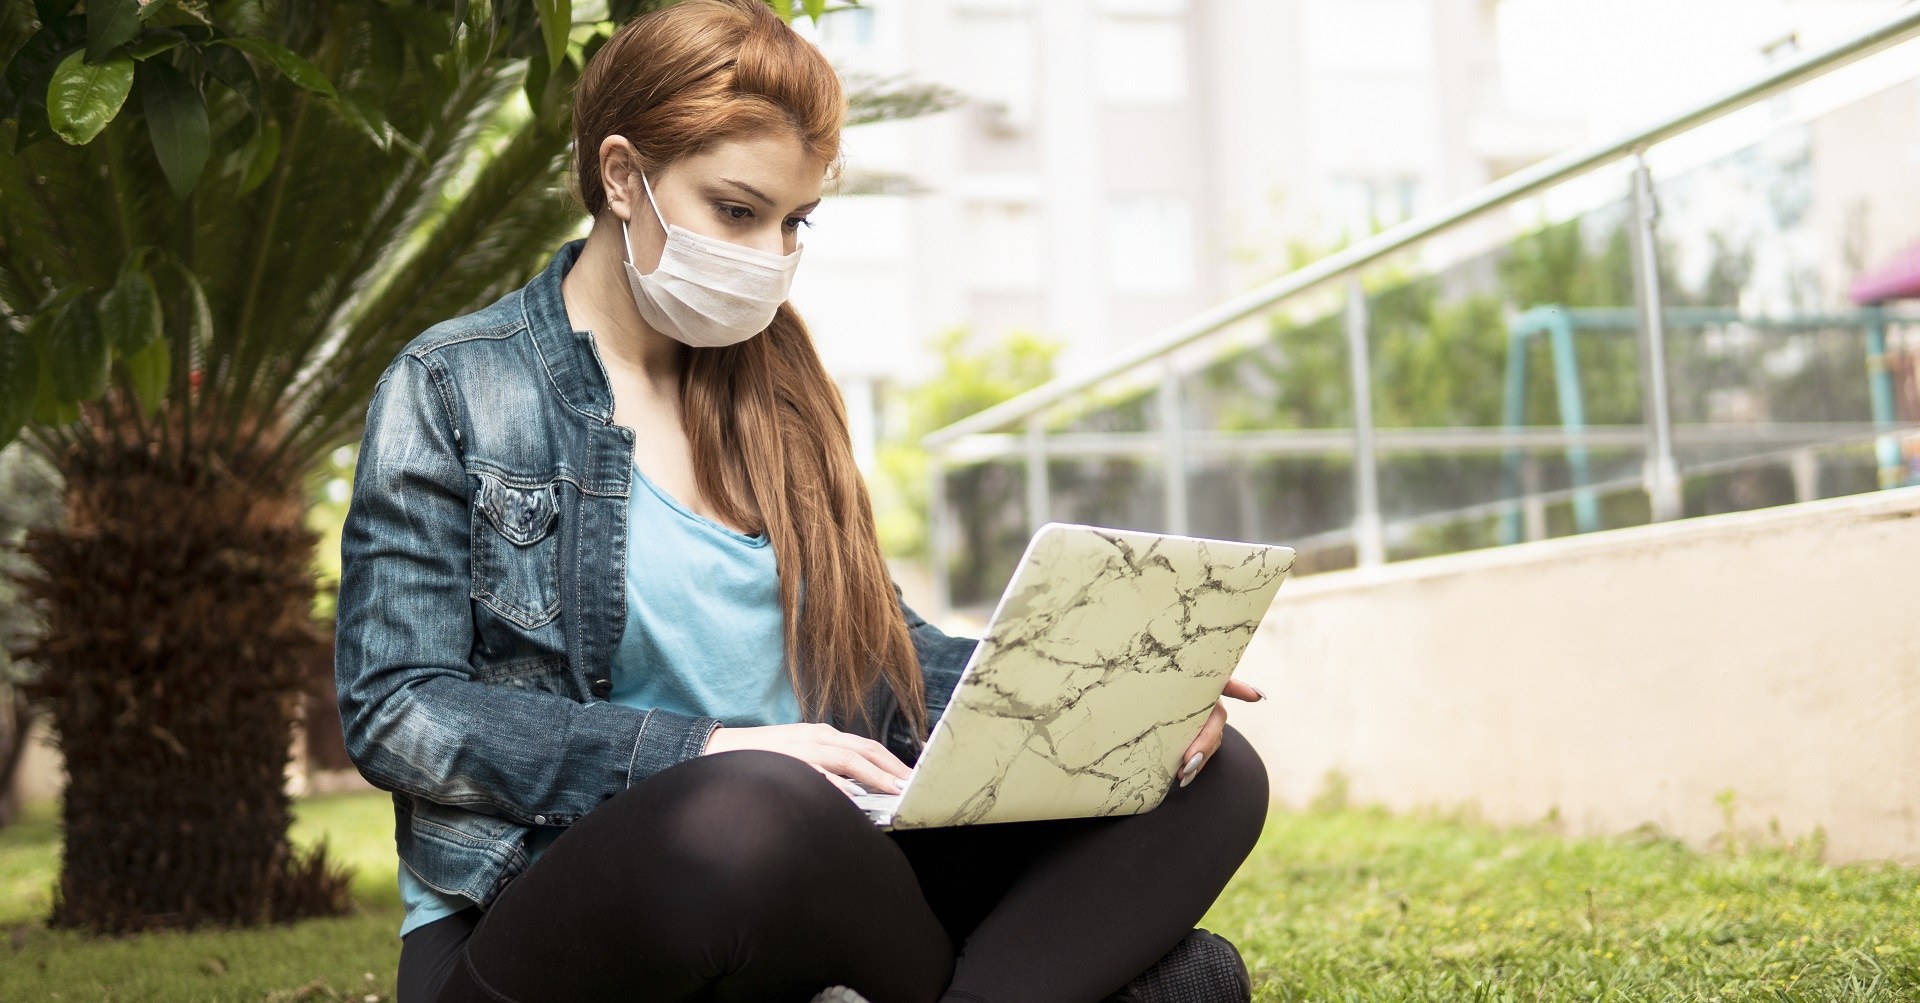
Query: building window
(1004, 249)
(1142, 60)
(1001, 62)
(1150, 247)
(1362, 205)
(847, 28)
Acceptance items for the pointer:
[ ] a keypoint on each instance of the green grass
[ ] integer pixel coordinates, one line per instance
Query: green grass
(1359, 905)
(346, 958)
(1351, 904)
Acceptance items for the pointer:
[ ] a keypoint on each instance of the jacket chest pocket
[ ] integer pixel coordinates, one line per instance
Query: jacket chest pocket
(516, 549)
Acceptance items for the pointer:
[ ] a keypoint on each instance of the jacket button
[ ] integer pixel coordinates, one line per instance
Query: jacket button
(539, 820)
(601, 686)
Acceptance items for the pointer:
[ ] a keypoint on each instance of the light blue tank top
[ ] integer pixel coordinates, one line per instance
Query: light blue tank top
(703, 636)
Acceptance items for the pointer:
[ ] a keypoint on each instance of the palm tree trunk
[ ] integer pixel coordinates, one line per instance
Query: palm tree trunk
(178, 605)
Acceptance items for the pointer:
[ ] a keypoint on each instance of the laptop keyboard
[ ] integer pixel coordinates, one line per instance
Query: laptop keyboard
(879, 807)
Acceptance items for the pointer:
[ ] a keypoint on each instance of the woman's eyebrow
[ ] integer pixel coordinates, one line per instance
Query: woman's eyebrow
(762, 196)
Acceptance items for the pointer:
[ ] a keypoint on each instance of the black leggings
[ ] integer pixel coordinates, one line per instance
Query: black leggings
(746, 875)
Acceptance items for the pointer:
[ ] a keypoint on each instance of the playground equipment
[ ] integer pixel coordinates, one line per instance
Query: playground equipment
(1558, 325)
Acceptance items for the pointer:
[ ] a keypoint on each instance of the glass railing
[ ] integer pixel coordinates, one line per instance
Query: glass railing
(1510, 352)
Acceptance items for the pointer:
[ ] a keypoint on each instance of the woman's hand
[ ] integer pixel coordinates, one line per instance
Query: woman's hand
(833, 752)
(1201, 751)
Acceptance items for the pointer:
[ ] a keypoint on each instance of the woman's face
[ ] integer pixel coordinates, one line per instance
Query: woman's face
(755, 192)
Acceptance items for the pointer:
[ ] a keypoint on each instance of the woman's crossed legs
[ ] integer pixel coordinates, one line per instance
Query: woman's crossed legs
(747, 876)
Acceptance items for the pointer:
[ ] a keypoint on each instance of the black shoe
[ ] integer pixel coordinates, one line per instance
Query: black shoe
(1203, 968)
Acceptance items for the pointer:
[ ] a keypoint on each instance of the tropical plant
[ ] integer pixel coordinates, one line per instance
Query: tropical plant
(219, 220)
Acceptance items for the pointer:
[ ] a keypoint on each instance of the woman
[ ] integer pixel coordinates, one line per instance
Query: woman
(572, 642)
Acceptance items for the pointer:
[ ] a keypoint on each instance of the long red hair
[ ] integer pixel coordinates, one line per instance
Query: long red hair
(766, 426)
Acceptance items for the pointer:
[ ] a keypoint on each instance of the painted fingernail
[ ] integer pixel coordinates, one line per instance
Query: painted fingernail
(1193, 766)
(1256, 689)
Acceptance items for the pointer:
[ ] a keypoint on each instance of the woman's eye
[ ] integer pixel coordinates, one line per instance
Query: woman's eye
(795, 223)
(737, 212)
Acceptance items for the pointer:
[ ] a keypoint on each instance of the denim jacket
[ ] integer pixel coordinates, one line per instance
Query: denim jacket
(482, 595)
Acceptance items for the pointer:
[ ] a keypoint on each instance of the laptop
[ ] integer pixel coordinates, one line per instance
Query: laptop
(1098, 668)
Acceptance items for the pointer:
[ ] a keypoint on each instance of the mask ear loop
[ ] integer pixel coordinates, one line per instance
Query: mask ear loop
(624, 239)
(651, 203)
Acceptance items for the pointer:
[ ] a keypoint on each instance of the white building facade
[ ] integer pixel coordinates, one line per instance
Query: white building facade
(1120, 165)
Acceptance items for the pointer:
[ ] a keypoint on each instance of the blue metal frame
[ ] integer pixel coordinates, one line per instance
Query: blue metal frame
(1559, 323)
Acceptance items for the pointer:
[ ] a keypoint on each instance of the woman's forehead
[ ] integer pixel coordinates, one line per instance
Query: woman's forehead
(779, 166)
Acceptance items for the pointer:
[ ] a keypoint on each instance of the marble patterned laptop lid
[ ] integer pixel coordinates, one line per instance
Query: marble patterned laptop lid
(1098, 668)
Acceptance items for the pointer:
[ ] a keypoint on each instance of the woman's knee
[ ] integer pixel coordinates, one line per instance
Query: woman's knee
(1235, 788)
(727, 783)
(1241, 766)
(746, 816)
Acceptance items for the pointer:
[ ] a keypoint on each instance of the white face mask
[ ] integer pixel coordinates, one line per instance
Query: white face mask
(708, 292)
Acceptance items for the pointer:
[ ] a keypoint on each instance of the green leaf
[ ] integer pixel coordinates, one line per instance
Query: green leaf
(199, 330)
(365, 117)
(556, 19)
(147, 10)
(231, 68)
(556, 95)
(386, 50)
(28, 72)
(130, 312)
(83, 97)
(259, 154)
(19, 382)
(784, 8)
(148, 370)
(177, 13)
(535, 84)
(153, 45)
(815, 9)
(49, 409)
(176, 122)
(110, 23)
(77, 350)
(288, 62)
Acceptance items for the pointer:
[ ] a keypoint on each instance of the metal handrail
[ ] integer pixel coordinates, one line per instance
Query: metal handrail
(1898, 28)
(1503, 506)
(1452, 439)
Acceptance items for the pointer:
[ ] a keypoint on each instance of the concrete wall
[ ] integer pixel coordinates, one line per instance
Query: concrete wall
(1623, 678)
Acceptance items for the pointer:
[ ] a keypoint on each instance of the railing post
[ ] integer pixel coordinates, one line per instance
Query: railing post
(1369, 547)
(1806, 474)
(1531, 502)
(1173, 448)
(1886, 449)
(1661, 473)
(1039, 489)
(937, 557)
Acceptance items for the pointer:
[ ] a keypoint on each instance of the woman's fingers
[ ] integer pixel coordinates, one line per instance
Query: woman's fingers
(1209, 737)
(833, 752)
(1244, 691)
(1205, 745)
(873, 752)
(850, 763)
(845, 788)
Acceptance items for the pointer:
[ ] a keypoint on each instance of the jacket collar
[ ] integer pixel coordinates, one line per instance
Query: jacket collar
(571, 360)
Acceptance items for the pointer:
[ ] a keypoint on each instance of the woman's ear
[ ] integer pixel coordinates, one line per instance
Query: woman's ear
(620, 175)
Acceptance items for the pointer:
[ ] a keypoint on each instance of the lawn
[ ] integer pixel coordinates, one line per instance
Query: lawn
(1336, 904)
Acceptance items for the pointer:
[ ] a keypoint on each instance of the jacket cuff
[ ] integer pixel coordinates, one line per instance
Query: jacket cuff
(666, 738)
